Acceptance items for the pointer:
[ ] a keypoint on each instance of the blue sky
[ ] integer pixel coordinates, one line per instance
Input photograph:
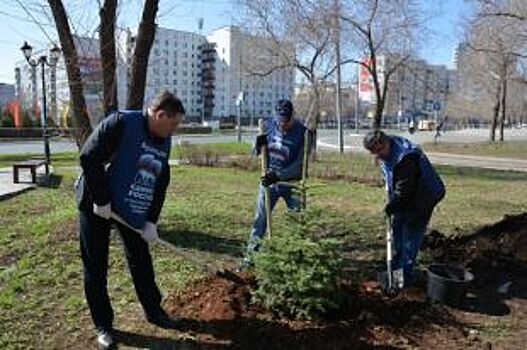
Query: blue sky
(16, 25)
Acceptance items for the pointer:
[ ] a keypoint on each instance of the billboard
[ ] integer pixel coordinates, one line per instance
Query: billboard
(366, 87)
(365, 81)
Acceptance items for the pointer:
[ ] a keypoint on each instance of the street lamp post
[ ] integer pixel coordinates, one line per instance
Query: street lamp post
(54, 54)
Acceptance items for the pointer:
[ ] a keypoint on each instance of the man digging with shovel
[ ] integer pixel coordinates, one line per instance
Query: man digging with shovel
(413, 190)
(125, 172)
(282, 148)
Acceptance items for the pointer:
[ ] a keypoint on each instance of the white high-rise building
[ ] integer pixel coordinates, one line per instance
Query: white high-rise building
(173, 65)
(239, 57)
(206, 73)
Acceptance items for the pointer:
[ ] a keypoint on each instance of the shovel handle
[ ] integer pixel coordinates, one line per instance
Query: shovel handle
(183, 254)
(269, 222)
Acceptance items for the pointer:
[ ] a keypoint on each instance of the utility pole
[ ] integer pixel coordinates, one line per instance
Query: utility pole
(357, 106)
(239, 101)
(338, 106)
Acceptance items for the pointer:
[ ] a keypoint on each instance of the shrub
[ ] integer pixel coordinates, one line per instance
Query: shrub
(298, 274)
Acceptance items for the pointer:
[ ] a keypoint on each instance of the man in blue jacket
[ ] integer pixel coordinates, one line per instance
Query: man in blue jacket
(284, 139)
(125, 171)
(413, 190)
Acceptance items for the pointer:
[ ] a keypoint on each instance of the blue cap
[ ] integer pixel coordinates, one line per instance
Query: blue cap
(284, 110)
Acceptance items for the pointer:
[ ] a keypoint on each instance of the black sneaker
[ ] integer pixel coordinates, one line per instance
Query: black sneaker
(164, 321)
(105, 339)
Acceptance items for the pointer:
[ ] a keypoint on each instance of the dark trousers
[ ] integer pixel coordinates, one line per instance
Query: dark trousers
(407, 240)
(94, 243)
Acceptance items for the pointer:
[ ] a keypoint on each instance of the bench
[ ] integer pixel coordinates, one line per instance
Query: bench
(32, 165)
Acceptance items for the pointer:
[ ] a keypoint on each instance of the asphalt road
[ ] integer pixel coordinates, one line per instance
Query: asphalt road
(328, 140)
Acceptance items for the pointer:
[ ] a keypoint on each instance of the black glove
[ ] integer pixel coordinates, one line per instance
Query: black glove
(269, 179)
(261, 140)
(389, 209)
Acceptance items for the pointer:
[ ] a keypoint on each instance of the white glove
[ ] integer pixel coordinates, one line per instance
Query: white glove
(150, 232)
(104, 211)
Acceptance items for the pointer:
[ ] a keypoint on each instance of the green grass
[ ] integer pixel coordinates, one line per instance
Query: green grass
(507, 149)
(71, 158)
(208, 211)
(57, 158)
(210, 150)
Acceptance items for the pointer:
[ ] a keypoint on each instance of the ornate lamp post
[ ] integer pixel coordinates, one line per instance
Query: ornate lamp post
(54, 55)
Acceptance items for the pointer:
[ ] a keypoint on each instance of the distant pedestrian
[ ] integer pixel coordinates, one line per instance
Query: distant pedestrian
(438, 131)
(411, 126)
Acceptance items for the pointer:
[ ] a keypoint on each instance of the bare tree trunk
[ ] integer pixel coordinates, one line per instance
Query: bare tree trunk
(81, 118)
(503, 108)
(315, 120)
(496, 111)
(108, 59)
(145, 38)
(379, 107)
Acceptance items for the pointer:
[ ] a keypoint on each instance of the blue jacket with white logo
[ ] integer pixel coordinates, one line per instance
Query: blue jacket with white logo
(412, 184)
(285, 154)
(125, 165)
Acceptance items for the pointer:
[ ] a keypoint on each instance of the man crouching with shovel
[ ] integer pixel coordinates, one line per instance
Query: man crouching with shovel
(125, 173)
(413, 189)
(281, 145)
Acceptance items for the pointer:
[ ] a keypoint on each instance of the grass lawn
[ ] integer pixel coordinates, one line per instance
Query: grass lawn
(57, 158)
(507, 149)
(208, 211)
(71, 158)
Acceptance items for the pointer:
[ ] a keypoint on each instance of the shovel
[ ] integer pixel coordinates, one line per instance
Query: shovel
(188, 255)
(391, 281)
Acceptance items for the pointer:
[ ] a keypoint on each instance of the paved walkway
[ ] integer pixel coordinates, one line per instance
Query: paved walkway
(459, 160)
(506, 164)
(8, 188)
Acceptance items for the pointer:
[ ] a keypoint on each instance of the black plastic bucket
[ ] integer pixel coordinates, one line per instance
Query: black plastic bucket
(448, 284)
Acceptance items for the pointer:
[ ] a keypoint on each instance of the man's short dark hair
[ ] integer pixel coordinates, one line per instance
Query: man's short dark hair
(373, 138)
(168, 102)
(284, 108)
